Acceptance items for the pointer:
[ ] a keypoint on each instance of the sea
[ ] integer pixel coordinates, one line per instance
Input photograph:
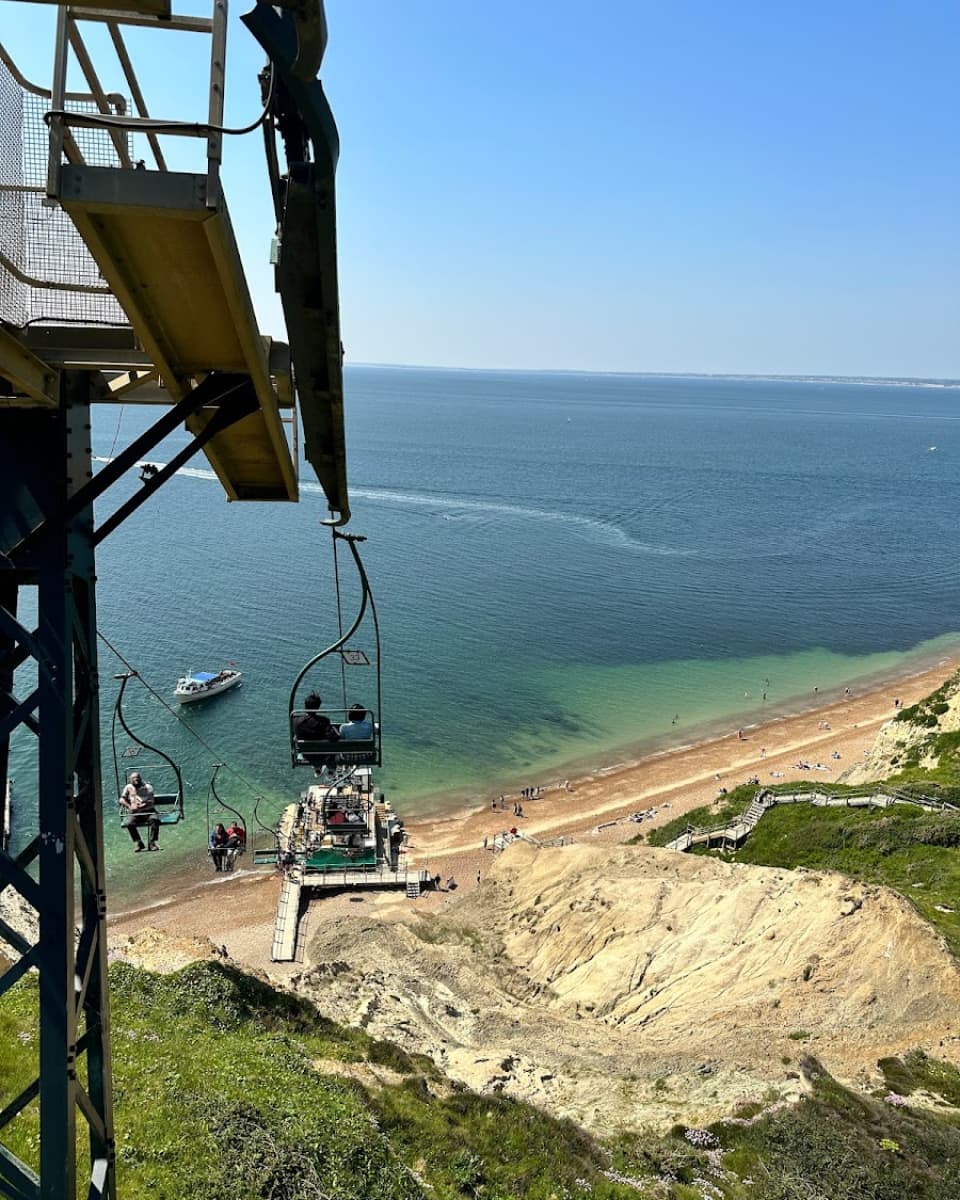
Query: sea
(570, 571)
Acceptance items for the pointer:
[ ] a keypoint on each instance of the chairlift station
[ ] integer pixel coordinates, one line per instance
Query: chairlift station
(121, 282)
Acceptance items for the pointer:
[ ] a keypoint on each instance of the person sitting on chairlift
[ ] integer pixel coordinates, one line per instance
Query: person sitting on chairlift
(314, 726)
(359, 728)
(137, 798)
(218, 847)
(236, 835)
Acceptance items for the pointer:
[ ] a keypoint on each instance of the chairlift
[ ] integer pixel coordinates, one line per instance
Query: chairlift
(224, 854)
(345, 736)
(167, 798)
(265, 855)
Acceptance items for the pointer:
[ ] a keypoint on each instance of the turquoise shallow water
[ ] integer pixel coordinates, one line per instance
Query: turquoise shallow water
(563, 564)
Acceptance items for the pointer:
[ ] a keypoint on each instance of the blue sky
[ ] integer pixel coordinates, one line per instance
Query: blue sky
(683, 186)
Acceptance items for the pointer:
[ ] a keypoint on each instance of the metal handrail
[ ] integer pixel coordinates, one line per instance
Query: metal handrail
(770, 799)
(112, 115)
(119, 102)
(134, 85)
(89, 289)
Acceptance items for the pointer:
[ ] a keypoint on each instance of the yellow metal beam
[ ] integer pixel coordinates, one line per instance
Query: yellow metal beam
(223, 248)
(129, 381)
(148, 8)
(30, 377)
(172, 262)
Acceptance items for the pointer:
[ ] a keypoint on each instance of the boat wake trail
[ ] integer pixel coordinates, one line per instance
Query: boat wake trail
(452, 507)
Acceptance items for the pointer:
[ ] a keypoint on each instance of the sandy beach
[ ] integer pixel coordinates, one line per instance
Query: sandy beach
(238, 912)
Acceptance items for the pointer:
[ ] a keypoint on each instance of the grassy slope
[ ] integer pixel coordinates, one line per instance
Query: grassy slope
(221, 1093)
(217, 1097)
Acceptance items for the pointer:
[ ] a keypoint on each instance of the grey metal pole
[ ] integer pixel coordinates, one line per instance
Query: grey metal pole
(58, 98)
(218, 75)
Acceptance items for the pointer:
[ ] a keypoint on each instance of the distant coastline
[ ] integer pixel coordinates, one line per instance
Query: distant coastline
(907, 381)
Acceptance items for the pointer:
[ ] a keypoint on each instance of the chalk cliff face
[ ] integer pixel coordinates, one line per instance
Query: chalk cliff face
(628, 984)
(21, 917)
(900, 742)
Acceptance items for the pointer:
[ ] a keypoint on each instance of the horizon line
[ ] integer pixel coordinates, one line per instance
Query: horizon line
(944, 380)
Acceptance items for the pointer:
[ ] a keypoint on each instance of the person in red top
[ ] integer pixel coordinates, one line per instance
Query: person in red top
(236, 843)
(236, 834)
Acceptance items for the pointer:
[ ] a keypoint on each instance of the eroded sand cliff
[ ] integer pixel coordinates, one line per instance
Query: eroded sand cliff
(627, 984)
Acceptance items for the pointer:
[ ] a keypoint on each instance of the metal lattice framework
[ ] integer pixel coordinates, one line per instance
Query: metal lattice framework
(60, 872)
(47, 274)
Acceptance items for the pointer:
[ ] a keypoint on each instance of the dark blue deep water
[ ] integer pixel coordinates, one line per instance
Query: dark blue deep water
(563, 564)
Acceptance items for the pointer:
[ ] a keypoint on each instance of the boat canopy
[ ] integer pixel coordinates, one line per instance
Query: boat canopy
(202, 676)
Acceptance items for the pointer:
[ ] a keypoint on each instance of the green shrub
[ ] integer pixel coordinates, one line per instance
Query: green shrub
(837, 1144)
(386, 1054)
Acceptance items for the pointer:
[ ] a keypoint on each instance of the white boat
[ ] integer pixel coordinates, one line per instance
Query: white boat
(198, 685)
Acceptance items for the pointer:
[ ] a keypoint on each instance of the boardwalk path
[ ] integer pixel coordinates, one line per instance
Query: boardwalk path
(733, 834)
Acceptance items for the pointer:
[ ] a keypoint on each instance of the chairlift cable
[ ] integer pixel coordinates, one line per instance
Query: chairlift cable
(336, 577)
(367, 596)
(116, 436)
(220, 803)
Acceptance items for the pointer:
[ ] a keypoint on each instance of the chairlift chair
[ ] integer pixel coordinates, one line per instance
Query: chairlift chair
(340, 754)
(168, 800)
(229, 853)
